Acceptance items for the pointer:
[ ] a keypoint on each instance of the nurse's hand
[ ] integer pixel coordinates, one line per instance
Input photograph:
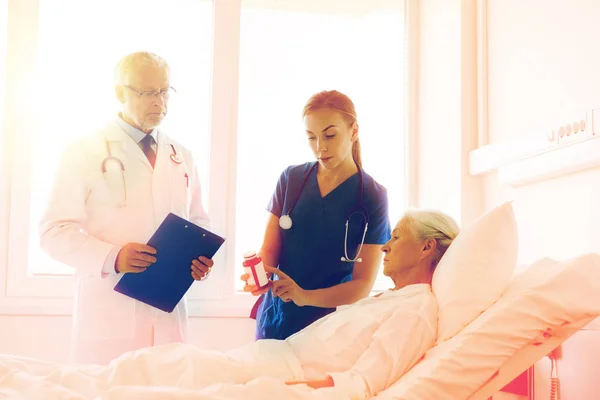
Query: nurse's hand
(286, 288)
(254, 289)
(201, 268)
(135, 257)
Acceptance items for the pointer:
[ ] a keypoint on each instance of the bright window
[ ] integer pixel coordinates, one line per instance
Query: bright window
(3, 31)
(243, 70)
(291, 52)
(75, 82)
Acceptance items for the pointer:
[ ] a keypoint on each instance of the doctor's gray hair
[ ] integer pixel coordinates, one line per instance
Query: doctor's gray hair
(433, 224)
(131, 62)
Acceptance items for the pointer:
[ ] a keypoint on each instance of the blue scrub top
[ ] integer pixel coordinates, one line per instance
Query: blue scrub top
(312, 248)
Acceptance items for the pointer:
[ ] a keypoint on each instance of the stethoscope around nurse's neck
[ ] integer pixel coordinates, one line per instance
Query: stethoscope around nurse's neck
(285, 221)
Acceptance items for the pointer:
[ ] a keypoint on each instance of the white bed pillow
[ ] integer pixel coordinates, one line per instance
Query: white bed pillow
(544, 297)
(475, 270)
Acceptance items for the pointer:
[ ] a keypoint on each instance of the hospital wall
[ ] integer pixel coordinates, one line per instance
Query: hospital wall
(544, 59)
(445, 115)
(542, 70)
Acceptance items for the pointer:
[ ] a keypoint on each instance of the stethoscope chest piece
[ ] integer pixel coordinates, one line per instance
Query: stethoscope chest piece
(174, 156)
(176, 159)
(285, 222)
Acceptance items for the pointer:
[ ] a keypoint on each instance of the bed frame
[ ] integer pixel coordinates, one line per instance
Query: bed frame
(525, 358)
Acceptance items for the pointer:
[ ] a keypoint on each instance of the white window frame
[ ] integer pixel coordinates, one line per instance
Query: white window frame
(21, 293)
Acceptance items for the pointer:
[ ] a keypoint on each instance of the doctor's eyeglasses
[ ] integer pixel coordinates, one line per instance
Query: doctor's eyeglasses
(151, 94)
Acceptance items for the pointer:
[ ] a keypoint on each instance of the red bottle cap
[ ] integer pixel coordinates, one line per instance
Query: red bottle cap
(249, 254)
(251, 259)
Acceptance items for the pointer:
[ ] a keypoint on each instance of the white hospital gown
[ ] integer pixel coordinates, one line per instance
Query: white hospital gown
(367, 346)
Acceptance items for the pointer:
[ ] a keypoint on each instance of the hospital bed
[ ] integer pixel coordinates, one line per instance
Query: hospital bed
(525, 358)
(491, 327)
(541, 308)
(495, 325)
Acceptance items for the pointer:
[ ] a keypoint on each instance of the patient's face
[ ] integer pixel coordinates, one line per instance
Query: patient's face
(402, 252)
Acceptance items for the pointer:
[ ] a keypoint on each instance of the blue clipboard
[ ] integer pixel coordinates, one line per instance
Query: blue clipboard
(164, 283)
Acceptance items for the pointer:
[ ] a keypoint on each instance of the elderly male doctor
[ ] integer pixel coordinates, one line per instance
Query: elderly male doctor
(112, 190)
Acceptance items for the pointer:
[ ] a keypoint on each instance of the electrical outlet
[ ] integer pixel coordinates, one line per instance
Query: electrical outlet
(575, 130)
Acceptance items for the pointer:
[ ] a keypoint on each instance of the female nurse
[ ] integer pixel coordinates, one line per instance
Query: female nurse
(328, 220)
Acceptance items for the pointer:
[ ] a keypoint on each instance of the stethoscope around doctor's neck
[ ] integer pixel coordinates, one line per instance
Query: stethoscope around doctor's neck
(285, 221)
(110, 159)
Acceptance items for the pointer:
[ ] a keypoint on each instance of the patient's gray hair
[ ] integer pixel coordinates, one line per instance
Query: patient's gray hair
(433, 224)
(132, 62)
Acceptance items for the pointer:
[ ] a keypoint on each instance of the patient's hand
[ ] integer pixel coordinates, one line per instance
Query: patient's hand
(327, 382)
(287, 289)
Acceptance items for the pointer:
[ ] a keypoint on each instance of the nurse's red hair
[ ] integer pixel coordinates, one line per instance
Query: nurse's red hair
(337, 101)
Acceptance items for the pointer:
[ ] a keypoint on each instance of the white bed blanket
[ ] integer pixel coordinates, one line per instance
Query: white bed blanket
(167, 372)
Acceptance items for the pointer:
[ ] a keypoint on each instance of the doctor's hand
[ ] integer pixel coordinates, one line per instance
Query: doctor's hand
(201, 267)
(134, 257)
(287, 289)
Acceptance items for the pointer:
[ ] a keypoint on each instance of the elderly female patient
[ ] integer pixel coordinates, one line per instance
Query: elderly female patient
(360, 348)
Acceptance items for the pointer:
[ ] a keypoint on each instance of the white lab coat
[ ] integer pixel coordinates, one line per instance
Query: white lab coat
(84, 222)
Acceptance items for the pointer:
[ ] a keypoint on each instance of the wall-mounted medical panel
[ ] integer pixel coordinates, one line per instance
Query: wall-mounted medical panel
(567, 148)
